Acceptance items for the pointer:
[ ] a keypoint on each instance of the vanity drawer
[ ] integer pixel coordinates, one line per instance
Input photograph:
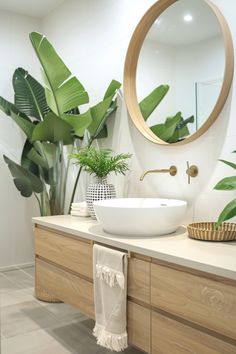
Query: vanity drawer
(198, 299)
(139, 279)
(69, 252)
(65, 287)
(139, 326)
(172, 337)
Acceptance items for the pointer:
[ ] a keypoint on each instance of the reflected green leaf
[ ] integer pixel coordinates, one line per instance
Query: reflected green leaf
(150, 102)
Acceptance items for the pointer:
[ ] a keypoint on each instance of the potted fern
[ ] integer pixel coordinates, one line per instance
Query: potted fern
(100, 163)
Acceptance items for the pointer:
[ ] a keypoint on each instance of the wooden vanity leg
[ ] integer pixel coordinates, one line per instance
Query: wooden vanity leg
(41, 293)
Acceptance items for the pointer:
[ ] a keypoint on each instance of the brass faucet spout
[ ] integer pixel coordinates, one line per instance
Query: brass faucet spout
(172, 171)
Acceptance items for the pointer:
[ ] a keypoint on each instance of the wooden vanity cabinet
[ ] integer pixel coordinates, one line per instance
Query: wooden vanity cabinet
(192, 312)
(204, 301)
(64, 272)
(139, 271)
(170, 309)
(73, 253)
(174, 337)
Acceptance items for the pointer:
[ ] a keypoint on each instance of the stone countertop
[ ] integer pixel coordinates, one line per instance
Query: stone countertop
(217, 258)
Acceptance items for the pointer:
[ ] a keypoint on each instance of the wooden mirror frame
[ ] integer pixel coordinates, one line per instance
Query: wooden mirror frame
(130, 70)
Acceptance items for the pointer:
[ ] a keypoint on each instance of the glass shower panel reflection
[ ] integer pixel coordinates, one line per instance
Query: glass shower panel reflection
(207, 93)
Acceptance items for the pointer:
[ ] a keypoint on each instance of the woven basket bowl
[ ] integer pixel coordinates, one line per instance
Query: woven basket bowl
(205, 231)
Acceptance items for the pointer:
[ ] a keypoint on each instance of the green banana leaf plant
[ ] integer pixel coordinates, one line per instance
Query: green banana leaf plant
(227, 184)
(174, 128)
(50, 118)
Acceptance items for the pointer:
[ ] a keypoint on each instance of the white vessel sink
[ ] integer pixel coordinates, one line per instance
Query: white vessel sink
(140, 216)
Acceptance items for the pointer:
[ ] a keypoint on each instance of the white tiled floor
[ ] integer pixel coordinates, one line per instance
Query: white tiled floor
(29, 326)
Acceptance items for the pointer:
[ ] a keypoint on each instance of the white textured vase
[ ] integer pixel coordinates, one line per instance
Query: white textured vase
(99, 191)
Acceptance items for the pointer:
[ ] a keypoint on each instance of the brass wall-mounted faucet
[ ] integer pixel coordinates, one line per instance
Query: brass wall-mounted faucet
(172, 171)
(192, 171)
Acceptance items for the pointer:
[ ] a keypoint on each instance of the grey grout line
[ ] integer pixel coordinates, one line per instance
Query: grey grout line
(5, 276)
(31, 276)
(16, 284)
(19, 269)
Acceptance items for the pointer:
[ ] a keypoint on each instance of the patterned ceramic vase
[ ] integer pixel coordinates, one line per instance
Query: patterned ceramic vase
(99, 191)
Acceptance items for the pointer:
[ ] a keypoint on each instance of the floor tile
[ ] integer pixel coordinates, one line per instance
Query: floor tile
(25, 317)
(63, 311)
(15, 297)
(29, 270)
(60, 310)
(37, 342)
(74, 339)
(19, 277)
(6, 285)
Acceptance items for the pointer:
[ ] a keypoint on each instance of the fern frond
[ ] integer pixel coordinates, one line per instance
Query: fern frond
(101, 162)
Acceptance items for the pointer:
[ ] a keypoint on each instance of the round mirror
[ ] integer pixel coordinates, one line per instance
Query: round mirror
(178, 70)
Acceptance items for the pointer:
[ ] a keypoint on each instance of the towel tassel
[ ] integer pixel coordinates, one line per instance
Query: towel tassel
(110, 276)
(116, 342)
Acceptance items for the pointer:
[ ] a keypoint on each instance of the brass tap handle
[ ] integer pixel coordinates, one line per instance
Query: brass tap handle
(173, 170)
(192, 171)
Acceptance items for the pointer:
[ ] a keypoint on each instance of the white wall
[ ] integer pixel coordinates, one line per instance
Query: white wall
(92, 37)
(16, 242)
(179, 66)
(199, 62)
(156, 67)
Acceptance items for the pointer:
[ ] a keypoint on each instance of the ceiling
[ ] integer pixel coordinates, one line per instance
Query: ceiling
(171, 29)
(32, 8)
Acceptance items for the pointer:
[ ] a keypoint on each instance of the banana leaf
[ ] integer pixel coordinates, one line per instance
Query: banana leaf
(79, 122)
(181, 130)
(25, 181)
(8, 107)
(112, 88)
(227, 213)
(23, 122)
(149, 103)
(64, 91)
(226, 184)
(183, 123)
(173, 129)
(231, 164)
(166, 130)
(103, 133)
(26, 162)
(29, 95)
(49, 151)
(38, 159)
(53, 129)
(102, 111)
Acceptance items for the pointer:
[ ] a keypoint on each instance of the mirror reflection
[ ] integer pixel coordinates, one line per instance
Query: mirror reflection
(180, 70)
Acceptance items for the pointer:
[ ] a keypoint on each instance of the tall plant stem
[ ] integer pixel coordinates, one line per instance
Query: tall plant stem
(40, 208)
(45, 204)
(61, 175)
(44, 197)
(65, 180)
(75, 187)
(77, 179)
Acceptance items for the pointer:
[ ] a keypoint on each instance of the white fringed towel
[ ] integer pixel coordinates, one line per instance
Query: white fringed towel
(110, 293)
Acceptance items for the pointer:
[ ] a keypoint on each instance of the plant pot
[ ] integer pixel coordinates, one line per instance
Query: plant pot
(98, 191)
